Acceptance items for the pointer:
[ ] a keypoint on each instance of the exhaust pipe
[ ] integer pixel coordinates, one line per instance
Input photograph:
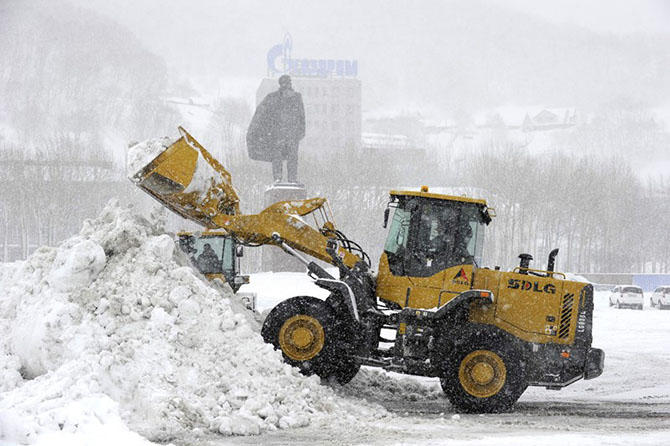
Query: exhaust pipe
(552, 260)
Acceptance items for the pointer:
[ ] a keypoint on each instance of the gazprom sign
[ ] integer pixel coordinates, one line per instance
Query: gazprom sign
(280, 62)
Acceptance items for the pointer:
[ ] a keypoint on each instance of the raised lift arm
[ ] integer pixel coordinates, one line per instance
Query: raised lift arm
(187, 179)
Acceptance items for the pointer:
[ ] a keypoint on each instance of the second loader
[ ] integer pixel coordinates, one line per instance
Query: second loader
(486, 334)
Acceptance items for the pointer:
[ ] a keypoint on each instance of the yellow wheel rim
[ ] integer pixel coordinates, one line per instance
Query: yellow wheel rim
(482, 373)
(301, 337)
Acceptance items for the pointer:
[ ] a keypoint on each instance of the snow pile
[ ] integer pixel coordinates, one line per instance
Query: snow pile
(142, 153)
(109, 329)
(375, 384)
(204, 177)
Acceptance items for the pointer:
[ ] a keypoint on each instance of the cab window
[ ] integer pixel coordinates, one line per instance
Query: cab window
(208, 254)
(472, 215)
(396, 241)
(228, 254)
(427, 236)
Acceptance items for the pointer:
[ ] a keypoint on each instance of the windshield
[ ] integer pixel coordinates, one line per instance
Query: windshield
(210, 254)
(427, 236)
(632, 289)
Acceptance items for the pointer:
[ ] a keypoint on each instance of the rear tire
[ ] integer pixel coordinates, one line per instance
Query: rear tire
(484, 372)
(302, 328)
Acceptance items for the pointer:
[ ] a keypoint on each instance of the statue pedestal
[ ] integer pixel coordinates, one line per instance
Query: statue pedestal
(274, 258)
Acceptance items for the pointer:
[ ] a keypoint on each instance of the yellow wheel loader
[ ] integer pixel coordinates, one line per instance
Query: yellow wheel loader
(431, 309)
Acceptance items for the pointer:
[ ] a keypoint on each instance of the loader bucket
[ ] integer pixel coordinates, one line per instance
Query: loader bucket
(189, 181)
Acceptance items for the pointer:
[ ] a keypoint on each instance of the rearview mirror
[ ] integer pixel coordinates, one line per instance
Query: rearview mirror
(387, 211)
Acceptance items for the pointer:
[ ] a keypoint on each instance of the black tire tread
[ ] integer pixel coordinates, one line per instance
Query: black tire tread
(478, 337)
(323, 364)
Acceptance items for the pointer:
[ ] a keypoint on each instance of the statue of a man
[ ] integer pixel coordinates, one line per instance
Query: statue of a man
(276, 129)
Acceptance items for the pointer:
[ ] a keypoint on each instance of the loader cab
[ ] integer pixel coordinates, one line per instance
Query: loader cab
(433, 243)
(215, 255)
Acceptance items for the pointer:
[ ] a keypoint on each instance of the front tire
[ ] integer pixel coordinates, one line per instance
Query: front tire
(302, 328)
(484, 372)
(347, 349)
(346, 370)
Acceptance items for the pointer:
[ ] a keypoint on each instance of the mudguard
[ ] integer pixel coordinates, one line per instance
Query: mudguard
(461, 303)
(338, 286)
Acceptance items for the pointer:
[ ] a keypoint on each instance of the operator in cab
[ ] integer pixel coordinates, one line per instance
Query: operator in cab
(208, 261)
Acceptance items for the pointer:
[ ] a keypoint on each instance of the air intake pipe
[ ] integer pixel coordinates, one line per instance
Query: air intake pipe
(524, 263)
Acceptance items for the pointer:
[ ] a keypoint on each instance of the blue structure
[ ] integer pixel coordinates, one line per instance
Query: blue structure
(649, 282)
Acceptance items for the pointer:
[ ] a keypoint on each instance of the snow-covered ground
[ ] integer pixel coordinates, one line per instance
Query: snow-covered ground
(110, 339)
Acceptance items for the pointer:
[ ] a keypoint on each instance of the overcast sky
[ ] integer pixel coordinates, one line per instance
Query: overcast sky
(207, 28)
(396, 42)
(604, 15)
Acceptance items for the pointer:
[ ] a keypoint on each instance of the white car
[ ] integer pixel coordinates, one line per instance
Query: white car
(661, 297)
(627, 296)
